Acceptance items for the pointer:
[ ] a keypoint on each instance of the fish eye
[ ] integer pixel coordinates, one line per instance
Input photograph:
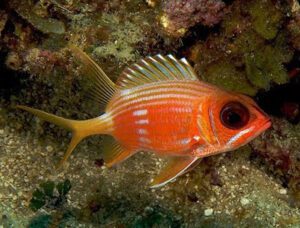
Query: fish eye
(234, 115)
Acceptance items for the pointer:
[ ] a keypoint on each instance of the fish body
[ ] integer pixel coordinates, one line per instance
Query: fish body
(158, 117)
(159, 105)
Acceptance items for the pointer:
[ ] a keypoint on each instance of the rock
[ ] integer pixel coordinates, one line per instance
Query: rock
(208, 212)
(244, 201)
(49, 148)
(179, 16)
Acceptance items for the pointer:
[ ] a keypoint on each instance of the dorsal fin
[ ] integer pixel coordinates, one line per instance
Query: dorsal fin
(102, 88)
(155, 69)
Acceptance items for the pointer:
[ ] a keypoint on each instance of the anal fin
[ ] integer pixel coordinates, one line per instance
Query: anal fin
(114, 153)
(175, 167)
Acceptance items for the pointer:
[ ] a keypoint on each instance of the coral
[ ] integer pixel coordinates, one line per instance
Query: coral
(245, 50)
(38, 60)
(177, 16)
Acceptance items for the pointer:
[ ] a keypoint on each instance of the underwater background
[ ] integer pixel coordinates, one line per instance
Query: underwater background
(251, 47)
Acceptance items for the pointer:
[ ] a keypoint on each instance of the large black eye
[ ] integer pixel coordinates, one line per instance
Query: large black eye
(234, 115)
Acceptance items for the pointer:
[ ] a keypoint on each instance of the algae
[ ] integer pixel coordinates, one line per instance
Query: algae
(265, 66)
(50, 195)
(227, 76)
(44, 24)
(245, 49)
(123, 37)
(266, 22)
(41, 221)
(52, 220)
(153, 217)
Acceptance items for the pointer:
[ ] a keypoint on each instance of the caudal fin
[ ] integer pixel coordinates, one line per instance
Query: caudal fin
(103, 89)
(79, 128)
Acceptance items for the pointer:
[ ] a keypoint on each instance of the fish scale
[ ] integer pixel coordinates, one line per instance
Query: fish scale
(160, 129)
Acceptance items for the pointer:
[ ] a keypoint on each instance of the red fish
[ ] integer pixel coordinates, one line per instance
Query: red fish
(159, 105)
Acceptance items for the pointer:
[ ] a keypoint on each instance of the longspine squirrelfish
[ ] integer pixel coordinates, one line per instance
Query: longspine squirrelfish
(159, 105)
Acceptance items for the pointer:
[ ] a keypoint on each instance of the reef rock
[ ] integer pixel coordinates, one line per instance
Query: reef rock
(180, 15)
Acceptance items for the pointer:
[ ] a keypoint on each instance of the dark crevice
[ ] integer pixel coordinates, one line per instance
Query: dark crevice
(282, 100)
(228, 2)
(294, 63)
(10, 81)
(196, 33)
(3, 4)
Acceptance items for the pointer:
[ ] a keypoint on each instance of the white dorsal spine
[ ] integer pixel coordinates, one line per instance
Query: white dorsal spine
(156, 69)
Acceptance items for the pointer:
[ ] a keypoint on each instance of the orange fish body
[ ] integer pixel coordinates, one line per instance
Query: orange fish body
(160, 117)
(159, 105)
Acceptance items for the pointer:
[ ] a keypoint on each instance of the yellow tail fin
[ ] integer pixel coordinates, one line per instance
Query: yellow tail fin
(80, 128)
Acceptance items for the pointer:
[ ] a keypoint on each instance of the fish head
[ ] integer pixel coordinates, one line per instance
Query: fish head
(234, 120)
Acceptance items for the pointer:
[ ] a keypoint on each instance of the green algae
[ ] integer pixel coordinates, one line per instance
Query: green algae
(54, 42)
(63, 188)
(45, 195)
(124, 213)
(265, 65)
(40, 221)
(249, 53)
(59, 220)
(227, 76)
(266, 18)
(156, 217)
(46, 25)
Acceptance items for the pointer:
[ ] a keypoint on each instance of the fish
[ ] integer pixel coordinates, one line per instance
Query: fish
(159, 105)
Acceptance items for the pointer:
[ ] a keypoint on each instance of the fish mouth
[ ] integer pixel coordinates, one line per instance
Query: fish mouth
(267, 123)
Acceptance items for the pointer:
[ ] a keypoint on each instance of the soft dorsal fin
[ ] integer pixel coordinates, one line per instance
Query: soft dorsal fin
(102, 88)
(155, 69)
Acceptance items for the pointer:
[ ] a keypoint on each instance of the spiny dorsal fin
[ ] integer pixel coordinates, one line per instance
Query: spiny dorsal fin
(155, 69)
(102, 88)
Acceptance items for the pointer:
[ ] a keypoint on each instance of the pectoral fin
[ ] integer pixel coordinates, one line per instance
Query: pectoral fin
(175, 167)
